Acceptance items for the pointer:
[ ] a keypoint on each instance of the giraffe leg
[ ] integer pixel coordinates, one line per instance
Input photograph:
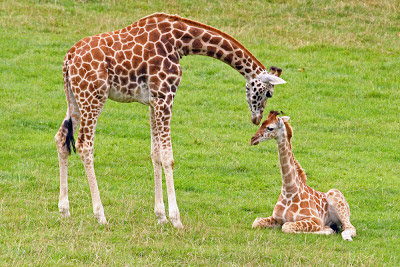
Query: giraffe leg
(85, 146)
(159, 207)
(268, 222)
(91, 100)
(72, 117)
(339, 209)
(163, 118)
(308, 225)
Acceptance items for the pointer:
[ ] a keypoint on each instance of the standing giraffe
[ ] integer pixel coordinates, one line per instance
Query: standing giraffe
(300, 209)
(140, 63)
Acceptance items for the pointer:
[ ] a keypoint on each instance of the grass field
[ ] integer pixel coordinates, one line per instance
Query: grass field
(341, 61)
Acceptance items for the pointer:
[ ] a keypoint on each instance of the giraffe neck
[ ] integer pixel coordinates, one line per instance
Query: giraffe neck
(290, 183)
(192, 38)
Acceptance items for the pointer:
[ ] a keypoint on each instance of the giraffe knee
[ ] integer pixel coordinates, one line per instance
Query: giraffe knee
(60, 138)
(168, 163)
(85, 151)
(167, 160)
(156, 158)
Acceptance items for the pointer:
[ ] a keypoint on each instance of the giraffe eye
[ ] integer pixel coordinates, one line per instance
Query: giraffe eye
(270, 129)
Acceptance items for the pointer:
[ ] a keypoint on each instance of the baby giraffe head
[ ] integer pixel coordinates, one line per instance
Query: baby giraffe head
(272, 128)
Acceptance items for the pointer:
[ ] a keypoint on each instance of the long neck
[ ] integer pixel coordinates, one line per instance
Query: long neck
(193, 38)
(197, 41)
(287, 166)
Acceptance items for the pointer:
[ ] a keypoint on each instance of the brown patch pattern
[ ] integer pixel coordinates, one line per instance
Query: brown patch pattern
(300, 208)
(139, 63)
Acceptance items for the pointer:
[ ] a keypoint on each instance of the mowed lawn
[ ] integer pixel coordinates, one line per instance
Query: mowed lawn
(341, 62)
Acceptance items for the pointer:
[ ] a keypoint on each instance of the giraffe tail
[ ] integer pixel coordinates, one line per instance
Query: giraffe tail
(69, 139)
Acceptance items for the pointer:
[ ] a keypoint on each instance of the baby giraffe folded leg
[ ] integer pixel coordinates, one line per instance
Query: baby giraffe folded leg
(306, 226)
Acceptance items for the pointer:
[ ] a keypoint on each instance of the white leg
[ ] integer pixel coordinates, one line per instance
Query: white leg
(63, 203)
(168, 163)
(159, 208)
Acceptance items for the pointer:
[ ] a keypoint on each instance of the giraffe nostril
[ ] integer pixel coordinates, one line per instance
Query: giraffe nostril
(254, 141)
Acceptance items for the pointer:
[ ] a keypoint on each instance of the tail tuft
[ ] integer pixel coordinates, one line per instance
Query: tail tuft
(70, 136)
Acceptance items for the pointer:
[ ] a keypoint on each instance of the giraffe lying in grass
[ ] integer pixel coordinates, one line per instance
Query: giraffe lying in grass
(300, 208)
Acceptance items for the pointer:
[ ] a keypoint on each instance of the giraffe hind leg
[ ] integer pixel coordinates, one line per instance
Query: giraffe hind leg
(339, 209)
(64, 139)
(63, 152)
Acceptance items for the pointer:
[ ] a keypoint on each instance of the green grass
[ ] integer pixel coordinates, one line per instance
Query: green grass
(344, 105)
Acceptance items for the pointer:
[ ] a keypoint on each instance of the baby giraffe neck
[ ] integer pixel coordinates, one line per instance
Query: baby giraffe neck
(287, 165)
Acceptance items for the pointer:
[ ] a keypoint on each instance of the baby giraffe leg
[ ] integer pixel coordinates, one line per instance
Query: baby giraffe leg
(308, 225)
(339, 206)
(268, 222)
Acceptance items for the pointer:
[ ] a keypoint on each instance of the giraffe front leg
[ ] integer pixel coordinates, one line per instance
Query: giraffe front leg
(159, 208)
(308, 225)
(268, 222)
(163, 111)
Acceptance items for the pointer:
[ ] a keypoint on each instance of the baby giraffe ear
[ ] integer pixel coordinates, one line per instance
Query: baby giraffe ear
(280, 123)
(285, 118)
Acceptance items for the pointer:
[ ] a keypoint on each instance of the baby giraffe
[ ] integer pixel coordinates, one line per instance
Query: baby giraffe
(300, 209)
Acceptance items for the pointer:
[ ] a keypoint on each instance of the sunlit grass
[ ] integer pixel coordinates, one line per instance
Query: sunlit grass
(340, 59)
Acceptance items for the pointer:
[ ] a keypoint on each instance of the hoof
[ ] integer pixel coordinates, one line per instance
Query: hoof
(256, 223)
(177, 224)
(346, 235)
(162, 221)
(64, 209)
(65, 214)
(102, 220)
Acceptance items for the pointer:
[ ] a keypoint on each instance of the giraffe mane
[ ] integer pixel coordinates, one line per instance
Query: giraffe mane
(206, 27)
(300, 170)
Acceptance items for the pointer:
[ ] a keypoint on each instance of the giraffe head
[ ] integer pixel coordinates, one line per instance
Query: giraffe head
(272, 128)
(258, 91)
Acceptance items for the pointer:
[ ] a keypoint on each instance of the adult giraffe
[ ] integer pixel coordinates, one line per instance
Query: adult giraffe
(140, 63)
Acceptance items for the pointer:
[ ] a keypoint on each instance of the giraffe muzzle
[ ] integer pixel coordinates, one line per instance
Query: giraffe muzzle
(256, 119)
(254, 141)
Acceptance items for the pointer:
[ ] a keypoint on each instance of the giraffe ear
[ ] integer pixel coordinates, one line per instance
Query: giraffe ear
(285, 118)
(272, 79)
(280, 123)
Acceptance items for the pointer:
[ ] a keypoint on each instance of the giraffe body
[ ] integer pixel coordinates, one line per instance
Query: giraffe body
(300, 208)
(140, 63)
